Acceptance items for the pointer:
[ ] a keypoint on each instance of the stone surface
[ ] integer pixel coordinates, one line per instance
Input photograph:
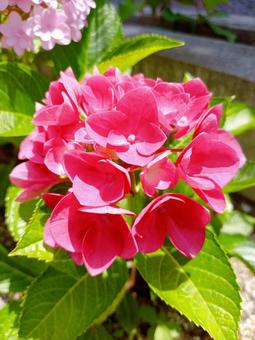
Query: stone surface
(232, 59)
(246, 280)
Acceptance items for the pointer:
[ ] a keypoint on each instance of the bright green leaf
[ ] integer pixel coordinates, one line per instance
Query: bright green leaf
(240, 117)
(244, 179)
(20, 88)
(204, 289)
(9, 315)
(17, 214)
(59, 306)
(31, 243)
(14, 124)
(134, 49)
(241, 247)
(103, 33)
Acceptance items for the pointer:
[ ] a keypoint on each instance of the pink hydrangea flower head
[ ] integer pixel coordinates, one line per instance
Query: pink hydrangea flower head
(178, 216)
(3, 4)
(159, 174)
(24, 5)
(132, 130)
(96, 181)
(14, 35)
(95, 239)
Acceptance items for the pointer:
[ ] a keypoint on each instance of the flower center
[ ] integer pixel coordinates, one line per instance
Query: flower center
(131, 139)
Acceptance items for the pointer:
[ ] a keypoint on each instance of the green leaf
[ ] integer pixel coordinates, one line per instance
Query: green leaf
(237, 222)
(20, 88)
(17, 273)
(96, 333)
(244, 179)
(17, 214)
(14, 124)
(104, 31)
(31, 243)
(241, 247)
(128, 313)
(9, 315)
(134, 49)
(127, 8)
(204, 289)
(240, 117)
(59, 306)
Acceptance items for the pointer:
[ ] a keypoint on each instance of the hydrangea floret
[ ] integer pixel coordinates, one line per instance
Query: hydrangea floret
(49, 22)
(111, 137)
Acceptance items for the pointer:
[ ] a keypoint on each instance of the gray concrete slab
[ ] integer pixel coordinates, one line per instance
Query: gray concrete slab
(234, 59)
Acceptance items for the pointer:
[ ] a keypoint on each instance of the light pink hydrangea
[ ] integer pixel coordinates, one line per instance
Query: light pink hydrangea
(108, 138)
(50, 22)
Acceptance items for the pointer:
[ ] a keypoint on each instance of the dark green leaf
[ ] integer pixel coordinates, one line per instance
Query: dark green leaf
(59, 306)
(203, 289)
(17, 273)
(96, 333)
(20, 88)
(128, 313)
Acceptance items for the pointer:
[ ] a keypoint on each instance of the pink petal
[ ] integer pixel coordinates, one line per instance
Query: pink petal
(141, 104)
(108, 238)
(159, 174)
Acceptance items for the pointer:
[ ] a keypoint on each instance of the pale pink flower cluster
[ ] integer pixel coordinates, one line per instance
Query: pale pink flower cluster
(50, 22)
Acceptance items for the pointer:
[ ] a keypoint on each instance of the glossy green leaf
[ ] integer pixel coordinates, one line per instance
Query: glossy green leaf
(96, 333)
(241, 247)
(31, 243)
(204, 289)
(17, 273)
(104, 31)
(59, 306)
(240, 117)
(134, 49)
(20, 88)
(9, 315)
(14, 124)
(244, 179)
(17, 215)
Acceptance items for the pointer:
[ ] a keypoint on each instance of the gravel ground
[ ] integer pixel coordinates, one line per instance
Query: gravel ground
(246, 281)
